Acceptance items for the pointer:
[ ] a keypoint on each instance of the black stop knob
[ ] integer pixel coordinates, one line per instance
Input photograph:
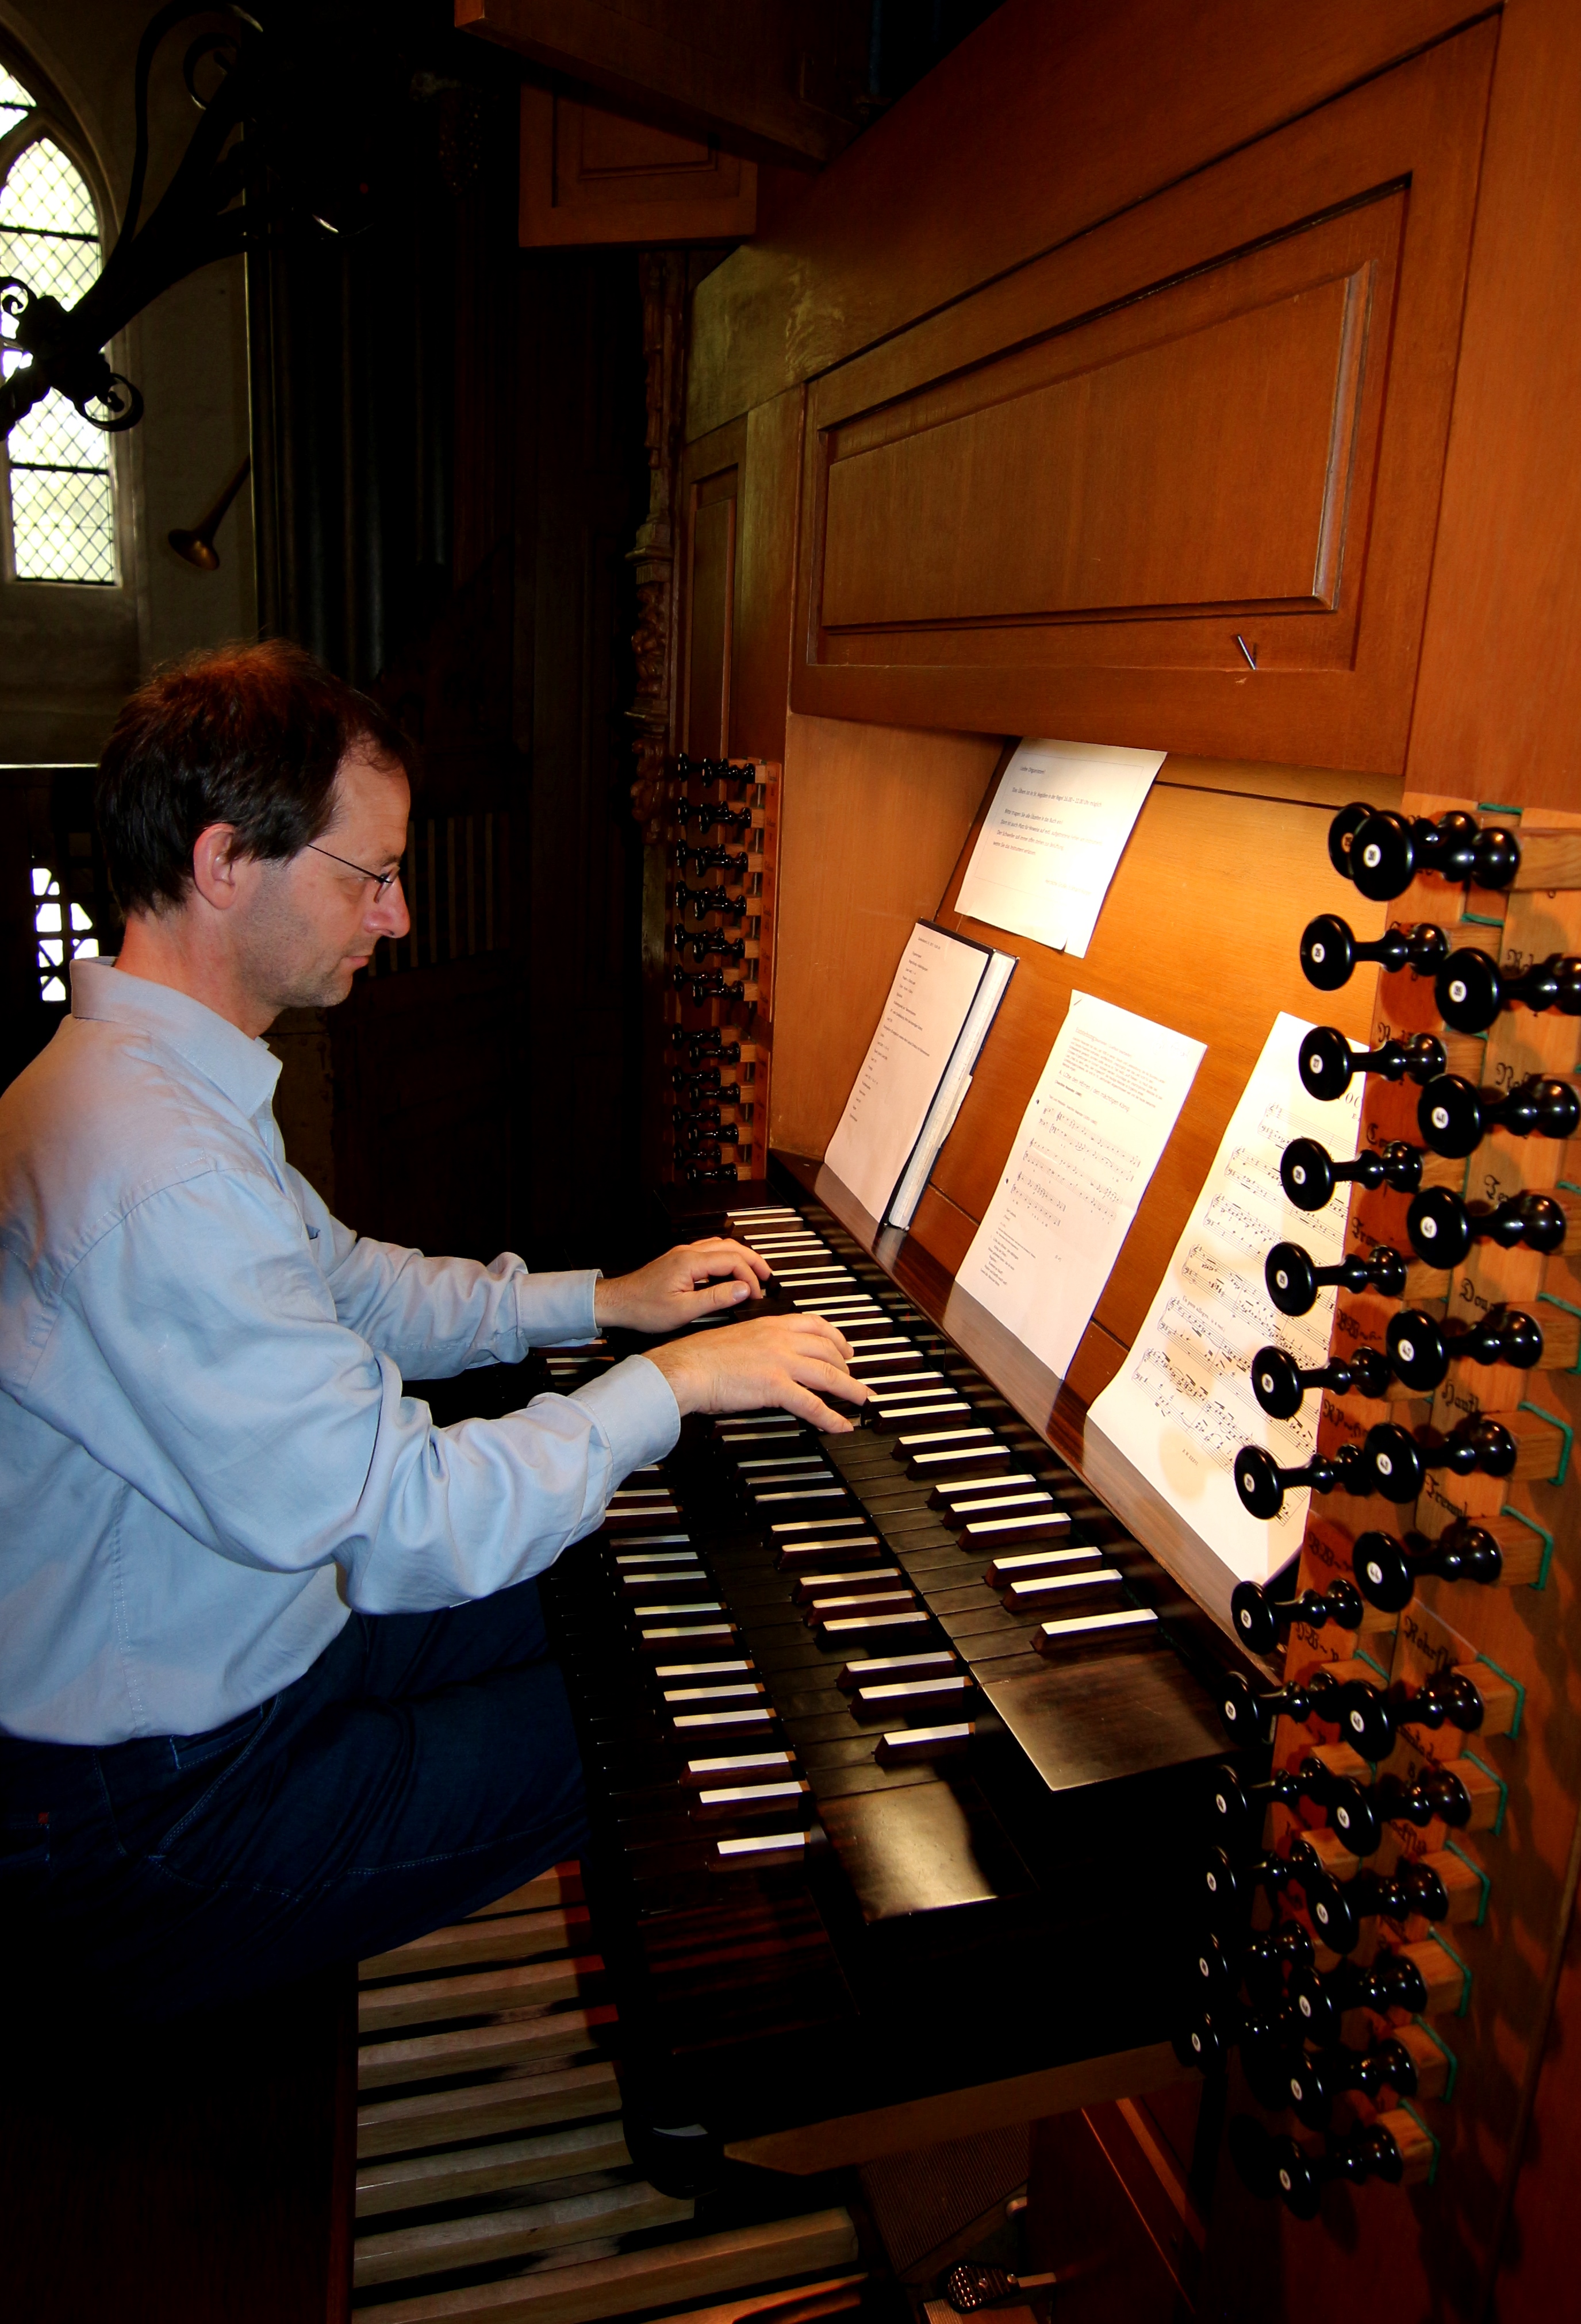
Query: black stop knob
(1329, 1065)
(1388, 1570)
(1270, 2165)
(1361, 1712)
(1436, 1795)
(1450, 1698)
(1443, 1228)
(1293, 1280)
(1421, 1349)
(1262, 1484)
(1392, 1982)
(1338, 1907)
(1233, 1805)
(1261, 1620)
(1382, 856)
(1469, 991)
(1309, 1175)
(1330, 952)
(1316, 2079)
(1267, 1959)
(1398, 1462)
(1281, 1385)
(1454, 1117)
(1228, 1887)
(1382, 851)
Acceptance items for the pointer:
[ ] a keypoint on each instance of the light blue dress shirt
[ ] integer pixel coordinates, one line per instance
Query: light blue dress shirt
(207, 1456)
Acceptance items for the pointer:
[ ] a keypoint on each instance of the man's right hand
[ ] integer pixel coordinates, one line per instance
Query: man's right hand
(786, 1363)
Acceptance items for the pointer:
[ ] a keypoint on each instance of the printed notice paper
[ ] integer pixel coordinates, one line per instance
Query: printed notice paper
(907, 1057)
(1089, 1143)
(1182, 1406)
(1051, 840)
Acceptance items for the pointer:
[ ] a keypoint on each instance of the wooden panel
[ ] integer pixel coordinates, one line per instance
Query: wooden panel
(1208, 464)
(873, 821)
(774, 80)
(765, 578)
(593, 177)
(927, 206)
(1500, 677)
(1084, 502)
(710, 613)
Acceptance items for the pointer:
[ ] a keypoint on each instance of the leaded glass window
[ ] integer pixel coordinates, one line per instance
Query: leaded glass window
(63, 932)
(63, 514)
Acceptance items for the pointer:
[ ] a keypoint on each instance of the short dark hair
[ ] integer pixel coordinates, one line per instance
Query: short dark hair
(248, 734)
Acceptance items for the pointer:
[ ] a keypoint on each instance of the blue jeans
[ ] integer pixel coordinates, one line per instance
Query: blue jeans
(423, 1765)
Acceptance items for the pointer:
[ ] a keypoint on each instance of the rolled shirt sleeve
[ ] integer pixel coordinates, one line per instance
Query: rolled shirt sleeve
(252, 1410)
(439, 1316)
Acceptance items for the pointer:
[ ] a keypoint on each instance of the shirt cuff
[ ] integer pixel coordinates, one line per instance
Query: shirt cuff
(635, 1412)
(555, 1310)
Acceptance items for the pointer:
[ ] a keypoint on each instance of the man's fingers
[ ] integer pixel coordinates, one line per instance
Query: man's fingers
(720, 1256)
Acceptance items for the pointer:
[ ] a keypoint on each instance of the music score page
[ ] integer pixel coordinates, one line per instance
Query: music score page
(929, 1003)
(1052, 839)
(1089, 1143)
(1181, 1406)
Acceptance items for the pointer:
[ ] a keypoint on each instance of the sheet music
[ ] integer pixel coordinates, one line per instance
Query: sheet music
(1181, 1406)
(928, 1003)
(1052, 838)
(1089, 1143)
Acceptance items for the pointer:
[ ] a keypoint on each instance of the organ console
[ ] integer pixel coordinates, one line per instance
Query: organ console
(927, 1869)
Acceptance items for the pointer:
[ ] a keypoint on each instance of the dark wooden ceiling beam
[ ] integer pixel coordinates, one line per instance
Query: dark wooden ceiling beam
(772, 82)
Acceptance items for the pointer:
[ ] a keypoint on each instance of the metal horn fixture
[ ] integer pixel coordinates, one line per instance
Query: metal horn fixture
(198, 545)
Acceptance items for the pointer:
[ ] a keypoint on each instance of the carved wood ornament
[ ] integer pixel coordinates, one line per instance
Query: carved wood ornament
(663, 274)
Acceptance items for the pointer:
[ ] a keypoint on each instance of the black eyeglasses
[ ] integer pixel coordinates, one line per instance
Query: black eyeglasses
(381, 880)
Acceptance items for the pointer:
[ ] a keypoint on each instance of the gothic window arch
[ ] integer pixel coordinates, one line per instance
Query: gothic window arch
(57, 505)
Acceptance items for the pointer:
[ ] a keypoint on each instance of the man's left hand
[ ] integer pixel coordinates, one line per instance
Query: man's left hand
(692, 1280)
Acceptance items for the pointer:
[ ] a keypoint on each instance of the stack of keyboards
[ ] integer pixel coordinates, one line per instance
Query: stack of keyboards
(873, 1725)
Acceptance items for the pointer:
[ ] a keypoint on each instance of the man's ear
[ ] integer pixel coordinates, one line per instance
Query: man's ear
(215, 864)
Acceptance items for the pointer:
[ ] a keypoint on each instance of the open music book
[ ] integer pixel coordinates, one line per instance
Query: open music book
(918, 1069)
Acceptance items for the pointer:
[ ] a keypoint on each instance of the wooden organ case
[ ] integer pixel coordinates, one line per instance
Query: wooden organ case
(1190, 440)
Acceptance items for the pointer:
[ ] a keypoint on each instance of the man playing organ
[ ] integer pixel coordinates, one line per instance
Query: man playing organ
(274, 1687)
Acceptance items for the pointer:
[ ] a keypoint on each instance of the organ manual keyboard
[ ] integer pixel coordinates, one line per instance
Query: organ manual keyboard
(887, 1738)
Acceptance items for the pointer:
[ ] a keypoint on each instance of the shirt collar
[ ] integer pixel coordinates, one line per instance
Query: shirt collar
(243, 1068)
